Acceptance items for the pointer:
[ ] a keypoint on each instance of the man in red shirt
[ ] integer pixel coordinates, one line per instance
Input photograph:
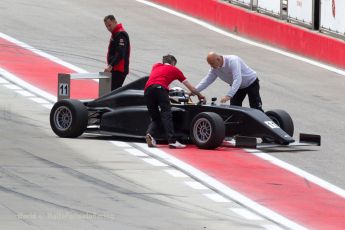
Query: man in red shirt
(157, 96)
(118, 52)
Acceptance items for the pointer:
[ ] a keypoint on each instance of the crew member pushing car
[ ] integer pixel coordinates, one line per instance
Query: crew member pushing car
(157, 97)
(242, 79)
(118, 52)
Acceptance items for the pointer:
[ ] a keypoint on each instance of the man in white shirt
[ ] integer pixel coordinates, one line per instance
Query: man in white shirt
(241, 78)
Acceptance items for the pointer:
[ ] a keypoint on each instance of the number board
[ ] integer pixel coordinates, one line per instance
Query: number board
(63, 89)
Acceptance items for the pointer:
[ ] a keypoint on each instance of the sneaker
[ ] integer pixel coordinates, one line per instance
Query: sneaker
(176, 145)
(151, 142)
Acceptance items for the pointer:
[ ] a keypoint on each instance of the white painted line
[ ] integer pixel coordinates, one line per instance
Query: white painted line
(234, 195)
(3, 81)
(120, 144)
(39, 100)
(16, 80)
(322, 183)
(42, 54)
(271, 227)
(176, 173)
(195, 172)
(241, 39)
(11, 86)
(48, 106)
(154, 162)
(25, 93)
(136, 152)
(245, 213)
(196, 185)
(217, 198)
(252, 150)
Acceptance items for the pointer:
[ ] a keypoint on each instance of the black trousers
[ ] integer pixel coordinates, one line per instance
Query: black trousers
(117, 79)
(156, 98)
(253, 92)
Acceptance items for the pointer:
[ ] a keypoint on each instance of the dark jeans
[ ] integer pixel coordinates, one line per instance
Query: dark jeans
(158, 97)
(117, 79)
(253, 95)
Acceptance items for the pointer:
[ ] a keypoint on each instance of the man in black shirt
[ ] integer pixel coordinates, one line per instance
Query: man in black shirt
(118, 52)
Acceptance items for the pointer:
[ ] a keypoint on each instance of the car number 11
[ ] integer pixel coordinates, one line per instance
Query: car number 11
(63, 89)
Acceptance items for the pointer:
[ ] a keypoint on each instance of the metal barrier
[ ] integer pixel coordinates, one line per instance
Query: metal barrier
(275, 8)
(304, 13)
(271, 7)
(323, 15)
(245, 3)
(64, 83)
(332, 18)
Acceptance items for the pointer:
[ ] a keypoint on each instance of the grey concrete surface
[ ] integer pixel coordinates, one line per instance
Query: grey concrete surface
(74, 31)
(48, 182)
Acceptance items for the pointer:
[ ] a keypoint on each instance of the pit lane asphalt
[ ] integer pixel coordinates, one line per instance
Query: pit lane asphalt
(52, 183)
(75, 33)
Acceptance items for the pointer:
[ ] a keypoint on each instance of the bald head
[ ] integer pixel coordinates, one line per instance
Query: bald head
(214, 60)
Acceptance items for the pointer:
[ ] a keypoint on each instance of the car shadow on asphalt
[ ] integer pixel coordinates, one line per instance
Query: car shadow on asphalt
(265, 149)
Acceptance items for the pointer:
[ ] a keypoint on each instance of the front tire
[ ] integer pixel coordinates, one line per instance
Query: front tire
(283, 120)
(207, 130)
(68, 118)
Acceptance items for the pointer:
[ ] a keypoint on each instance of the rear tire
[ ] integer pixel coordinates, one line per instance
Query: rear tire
(207, 130)
(68, 118)
(283, 120)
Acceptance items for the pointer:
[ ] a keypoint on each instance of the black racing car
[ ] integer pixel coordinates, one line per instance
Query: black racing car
(123, 112)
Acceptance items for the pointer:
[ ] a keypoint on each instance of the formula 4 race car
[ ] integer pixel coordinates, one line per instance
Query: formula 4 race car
(123, 112)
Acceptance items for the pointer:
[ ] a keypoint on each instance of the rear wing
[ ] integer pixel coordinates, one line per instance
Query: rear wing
(64, 83)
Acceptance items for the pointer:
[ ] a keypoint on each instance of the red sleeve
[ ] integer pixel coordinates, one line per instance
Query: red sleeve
(179, 75)
(155, 65)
